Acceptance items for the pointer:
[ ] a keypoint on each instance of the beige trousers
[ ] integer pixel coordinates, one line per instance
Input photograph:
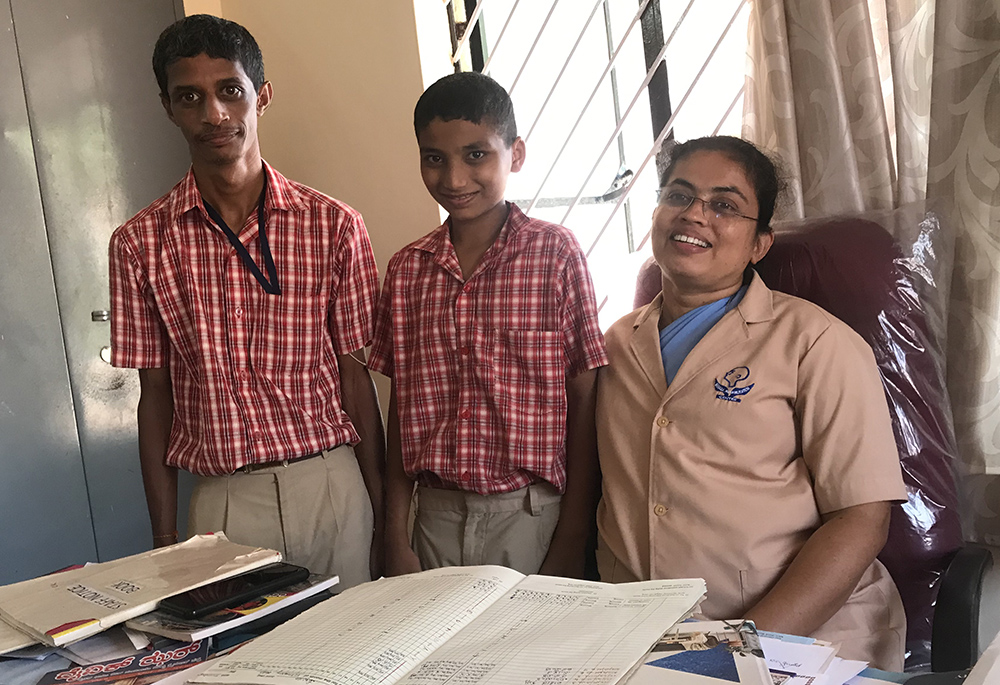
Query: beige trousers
(316, 512)
(458, 528)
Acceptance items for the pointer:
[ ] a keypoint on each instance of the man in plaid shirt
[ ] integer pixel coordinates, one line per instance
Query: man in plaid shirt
(488, 328)
(246, 301)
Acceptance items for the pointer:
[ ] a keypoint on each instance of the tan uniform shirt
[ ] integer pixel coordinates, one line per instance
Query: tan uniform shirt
(775, 417)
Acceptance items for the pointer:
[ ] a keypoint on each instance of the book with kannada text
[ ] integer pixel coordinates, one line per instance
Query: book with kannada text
(136, 669)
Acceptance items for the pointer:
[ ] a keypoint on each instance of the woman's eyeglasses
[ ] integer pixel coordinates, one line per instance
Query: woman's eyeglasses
(722, 209)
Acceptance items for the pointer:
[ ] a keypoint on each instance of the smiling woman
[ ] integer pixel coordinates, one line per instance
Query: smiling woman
(743, 433)
(703, 248)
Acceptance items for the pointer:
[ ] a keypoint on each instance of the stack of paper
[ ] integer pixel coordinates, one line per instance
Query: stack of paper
(707, 652)
(703, 653)
(488, 625)
(795, 660)
(69, 606)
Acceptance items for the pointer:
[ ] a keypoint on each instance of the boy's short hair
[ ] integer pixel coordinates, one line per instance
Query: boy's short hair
(469, 96)
(204, 34)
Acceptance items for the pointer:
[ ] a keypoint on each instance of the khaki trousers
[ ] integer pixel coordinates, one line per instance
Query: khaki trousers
(316, 512)
(458, 528)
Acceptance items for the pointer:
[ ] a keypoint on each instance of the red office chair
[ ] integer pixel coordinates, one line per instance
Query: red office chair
(887, 289)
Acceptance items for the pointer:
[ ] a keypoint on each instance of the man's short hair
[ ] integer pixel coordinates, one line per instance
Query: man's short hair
(469, 96)
(213, 36)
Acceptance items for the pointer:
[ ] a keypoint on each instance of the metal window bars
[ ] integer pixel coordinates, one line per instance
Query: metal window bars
(469, 51)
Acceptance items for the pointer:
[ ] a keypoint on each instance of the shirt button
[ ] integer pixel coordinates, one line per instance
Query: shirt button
(467, 288)
(659, 510)
(239, 312)
(464, 414)
(466, 475)
(662, 421)
(258, 436)
(463, 350)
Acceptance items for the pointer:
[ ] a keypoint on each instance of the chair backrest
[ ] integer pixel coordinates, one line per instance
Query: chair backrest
(855, 269)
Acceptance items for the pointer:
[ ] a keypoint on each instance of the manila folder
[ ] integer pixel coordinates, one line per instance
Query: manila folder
(64, 607)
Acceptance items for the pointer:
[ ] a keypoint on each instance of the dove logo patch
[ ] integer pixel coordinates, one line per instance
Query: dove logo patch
(728, 387)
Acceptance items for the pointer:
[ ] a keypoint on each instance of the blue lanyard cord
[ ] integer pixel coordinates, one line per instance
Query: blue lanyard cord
(270, 284)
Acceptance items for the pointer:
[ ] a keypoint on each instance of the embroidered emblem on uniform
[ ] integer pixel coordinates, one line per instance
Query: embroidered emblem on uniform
(728, 387)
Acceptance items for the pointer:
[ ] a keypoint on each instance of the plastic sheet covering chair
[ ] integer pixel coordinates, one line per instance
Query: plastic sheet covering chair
(887, 276)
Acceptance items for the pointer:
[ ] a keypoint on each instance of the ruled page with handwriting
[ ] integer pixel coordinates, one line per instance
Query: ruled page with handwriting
(372, 634)
(555, 631)
(482, 625)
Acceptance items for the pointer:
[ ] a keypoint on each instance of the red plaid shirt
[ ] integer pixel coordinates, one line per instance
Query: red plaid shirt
(479, 366)
(255, 376)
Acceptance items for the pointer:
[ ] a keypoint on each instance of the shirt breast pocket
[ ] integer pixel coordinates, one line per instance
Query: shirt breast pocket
(530, 388)
(291, 336)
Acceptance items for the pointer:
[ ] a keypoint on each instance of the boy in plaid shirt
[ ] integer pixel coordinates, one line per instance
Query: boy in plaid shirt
(488, 328)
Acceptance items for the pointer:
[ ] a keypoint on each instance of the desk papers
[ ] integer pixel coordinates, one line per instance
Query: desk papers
(705, 653)
(115, 643)
(69, 606)
(791, 656)
(483, 625)
(798, 660)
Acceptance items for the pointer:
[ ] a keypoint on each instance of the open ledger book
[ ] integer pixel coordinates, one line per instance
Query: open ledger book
(482, 625)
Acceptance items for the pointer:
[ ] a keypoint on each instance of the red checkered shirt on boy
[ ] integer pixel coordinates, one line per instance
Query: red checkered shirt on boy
(479, 366)
(255, 376)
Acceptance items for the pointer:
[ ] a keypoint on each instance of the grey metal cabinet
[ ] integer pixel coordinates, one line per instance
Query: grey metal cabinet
(84, 145)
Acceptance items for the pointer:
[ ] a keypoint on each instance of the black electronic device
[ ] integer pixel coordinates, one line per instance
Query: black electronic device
(230, 592)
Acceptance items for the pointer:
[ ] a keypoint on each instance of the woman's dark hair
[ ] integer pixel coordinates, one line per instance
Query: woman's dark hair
(759, 169)
(204, 34)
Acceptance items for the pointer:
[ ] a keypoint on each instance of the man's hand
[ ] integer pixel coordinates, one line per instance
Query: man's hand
(400, 559)
(376, 563)
(361, 404)
(399, 556)
(577, 510)
(165, 540)
(565, 560)
(155, 416)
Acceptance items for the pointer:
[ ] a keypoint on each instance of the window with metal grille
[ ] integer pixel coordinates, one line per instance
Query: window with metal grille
(598, 87)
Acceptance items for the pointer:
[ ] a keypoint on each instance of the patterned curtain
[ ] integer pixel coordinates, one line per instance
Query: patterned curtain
(871, 104)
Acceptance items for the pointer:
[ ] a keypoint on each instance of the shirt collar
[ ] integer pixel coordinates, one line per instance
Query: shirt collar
(281, 194)
(438, 241)
(755, 307)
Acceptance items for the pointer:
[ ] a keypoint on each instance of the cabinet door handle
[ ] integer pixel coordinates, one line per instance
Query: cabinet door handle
(100, 315)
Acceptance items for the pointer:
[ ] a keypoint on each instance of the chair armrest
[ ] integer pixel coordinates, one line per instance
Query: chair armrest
(949, 678)
(955, 633)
